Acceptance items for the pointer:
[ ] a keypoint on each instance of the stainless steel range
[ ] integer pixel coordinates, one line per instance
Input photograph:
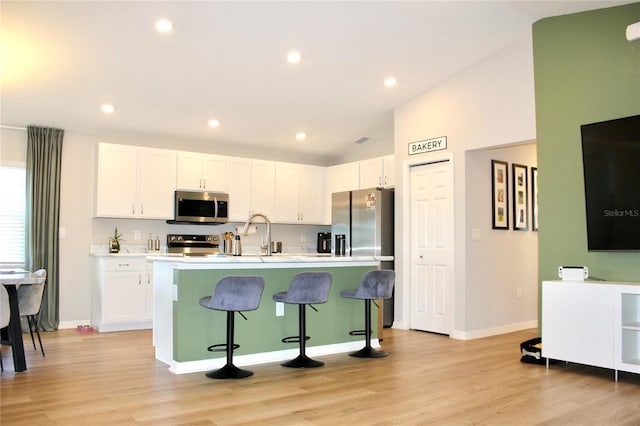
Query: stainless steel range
(193, 245)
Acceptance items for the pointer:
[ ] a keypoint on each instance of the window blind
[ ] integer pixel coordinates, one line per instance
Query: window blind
(12, 214)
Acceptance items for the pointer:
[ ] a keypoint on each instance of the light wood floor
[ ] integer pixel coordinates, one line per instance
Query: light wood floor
(113, 378)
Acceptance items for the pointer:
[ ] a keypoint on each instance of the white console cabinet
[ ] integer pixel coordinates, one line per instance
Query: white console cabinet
(593, 323)
(122, 292)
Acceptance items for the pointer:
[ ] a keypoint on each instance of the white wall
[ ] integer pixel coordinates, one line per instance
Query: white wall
(488, 105)
(501, 261)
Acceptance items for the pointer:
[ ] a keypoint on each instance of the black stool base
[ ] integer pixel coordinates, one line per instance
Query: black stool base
(229, 371)
(367, 352)
(302, 361)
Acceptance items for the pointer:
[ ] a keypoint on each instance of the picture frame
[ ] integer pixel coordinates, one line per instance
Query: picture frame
(534, 199)
(500, 194)
(520, 198)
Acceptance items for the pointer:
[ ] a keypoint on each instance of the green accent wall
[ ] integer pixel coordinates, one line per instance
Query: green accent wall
(195, 327)
(585, 71)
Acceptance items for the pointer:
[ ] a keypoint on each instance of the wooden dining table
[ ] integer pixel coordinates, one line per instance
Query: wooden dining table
(11, 280)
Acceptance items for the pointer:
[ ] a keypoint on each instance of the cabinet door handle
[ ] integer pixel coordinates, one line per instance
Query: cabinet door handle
(133, 209)
(141, 209)
(204, 184)
(139, 279)
(148, 278)
(123, 264)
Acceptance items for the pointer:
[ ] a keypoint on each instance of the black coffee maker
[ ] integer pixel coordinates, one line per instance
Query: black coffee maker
(324, 242)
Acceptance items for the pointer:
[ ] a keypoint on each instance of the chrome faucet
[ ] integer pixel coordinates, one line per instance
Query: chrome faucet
(266, 242)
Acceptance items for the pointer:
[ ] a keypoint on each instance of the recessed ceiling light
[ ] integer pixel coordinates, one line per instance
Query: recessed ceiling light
(164, 26)
(390, 82)
(213, 123)
(294, 57)
(107, 108)
(301, 136)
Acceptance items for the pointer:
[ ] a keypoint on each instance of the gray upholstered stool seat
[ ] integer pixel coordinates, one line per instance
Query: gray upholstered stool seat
(306, 288)
(233, 294)
(374, 285)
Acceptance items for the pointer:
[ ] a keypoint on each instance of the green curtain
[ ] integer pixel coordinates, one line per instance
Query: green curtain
(44, 160)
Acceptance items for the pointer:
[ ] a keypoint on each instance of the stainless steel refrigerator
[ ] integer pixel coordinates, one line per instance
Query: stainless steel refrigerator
(365, 218)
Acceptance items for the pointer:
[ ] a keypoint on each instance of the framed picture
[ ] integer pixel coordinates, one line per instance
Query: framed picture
(520, 209)
(499, 194)
(534, 198)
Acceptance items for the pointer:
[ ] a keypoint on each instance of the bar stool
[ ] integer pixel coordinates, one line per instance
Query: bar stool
(233, 294)
(305, 288)
(374, 285)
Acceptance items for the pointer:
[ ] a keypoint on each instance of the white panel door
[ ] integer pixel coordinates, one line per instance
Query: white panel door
(431, 247)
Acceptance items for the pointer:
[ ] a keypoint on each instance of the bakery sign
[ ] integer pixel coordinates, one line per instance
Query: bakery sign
(428, 145)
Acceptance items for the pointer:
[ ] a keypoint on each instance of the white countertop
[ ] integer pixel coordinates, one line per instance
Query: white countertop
(276, 258)
(247, 258)
(274, 261)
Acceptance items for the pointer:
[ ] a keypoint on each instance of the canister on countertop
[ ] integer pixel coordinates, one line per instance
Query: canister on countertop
(227, 243)
(341, 245)
(237, 246)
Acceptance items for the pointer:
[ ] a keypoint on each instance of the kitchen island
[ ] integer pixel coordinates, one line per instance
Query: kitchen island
(182, 329)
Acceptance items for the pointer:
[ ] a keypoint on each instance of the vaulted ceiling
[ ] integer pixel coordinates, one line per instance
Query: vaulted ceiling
(227, 61)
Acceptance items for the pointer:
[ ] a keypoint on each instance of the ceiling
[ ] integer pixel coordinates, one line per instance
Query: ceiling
(227, 60)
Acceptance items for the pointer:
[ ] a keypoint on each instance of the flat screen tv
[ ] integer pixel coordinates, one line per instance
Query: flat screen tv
(611, 160)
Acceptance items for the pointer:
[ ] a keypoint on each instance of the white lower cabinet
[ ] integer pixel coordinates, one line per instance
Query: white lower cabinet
(592, 323)
(122, 293)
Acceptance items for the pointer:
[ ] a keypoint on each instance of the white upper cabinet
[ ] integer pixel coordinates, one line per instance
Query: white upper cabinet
(239, 178)
(135, 182)
(251, 188)
(263, 187)
(287, 193)
(377, 172)
(310, 190)
(343, 177)
(202, 172)
(156, 183)
(299, 190)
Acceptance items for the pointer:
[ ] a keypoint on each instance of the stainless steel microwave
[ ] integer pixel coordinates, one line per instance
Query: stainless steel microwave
(201, 207)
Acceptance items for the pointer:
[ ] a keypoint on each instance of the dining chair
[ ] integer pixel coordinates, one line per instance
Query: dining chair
(29, 302)
(5, 314)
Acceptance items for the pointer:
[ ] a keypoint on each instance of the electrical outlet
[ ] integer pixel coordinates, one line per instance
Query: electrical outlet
(519, 293)
(136, 234)
(279, 309)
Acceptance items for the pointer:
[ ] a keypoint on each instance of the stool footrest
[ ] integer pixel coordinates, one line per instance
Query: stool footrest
(357, 332)
(294, 339)
(221, 347)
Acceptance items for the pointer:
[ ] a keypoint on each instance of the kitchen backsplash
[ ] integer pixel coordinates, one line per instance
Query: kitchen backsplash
(294, 238)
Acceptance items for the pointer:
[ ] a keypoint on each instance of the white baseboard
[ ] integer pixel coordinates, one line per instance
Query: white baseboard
(487, 332)
(72, 324)
(478, 334)
(266, 357)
